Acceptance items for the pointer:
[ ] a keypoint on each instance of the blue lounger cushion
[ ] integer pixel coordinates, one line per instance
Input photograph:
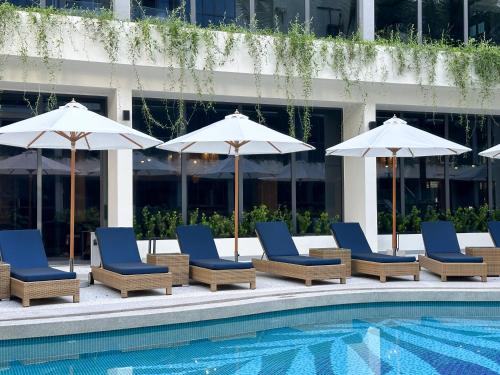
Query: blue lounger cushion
(135, 268)
(221, 264)
(276, 239)
(197, 241)
(383, 258)
(41, 274)
(120, 254)
(494, 229)
(24, 251)
(440, 237)
(441, 243)
(455, 258)
(351, 236)
(305, 260)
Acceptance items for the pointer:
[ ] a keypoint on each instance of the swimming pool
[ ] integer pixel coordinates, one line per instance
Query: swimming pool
(386, 338)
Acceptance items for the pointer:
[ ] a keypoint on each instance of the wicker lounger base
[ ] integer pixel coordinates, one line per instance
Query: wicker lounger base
(222, 277)
(384, 270)
(128, 283)
(453, 269)
(306, 273)
(490, 255)
(27, 291)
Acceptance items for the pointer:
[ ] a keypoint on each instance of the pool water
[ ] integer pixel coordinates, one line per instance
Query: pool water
(354, 339)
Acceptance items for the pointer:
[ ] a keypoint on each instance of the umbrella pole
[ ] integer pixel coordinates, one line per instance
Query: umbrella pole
(236, 203)
(72, 210)
(394, 169)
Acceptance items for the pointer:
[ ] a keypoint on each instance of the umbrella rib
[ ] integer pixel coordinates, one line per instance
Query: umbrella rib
(273, 146)
(131, 140)
(187, 146)
(452, 150)
(307, 145)
(36, 139)
(63, 134)
(86, 141)
(366, 152)
(411, 152)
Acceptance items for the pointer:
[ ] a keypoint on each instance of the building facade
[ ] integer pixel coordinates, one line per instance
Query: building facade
(140, 88)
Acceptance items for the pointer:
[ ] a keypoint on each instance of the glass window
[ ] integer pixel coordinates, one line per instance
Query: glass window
(468, 172)
(269, 183)
(395, 17)
(484, 20)
(159, 8)
(279, 14)
(222, 11)
(94, 5)
(443, 19)
(333, 17)
(157, 182)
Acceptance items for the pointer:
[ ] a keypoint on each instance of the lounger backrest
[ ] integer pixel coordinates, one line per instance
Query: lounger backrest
(197, 241)
(117, 245)
(276, 239)
(439, 237)
(23, 249)
(494, 229)
(351, 236)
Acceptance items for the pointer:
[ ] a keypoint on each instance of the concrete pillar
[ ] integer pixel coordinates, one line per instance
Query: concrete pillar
(366, 19)
(360, 174)
(120, 169)
(121, 9)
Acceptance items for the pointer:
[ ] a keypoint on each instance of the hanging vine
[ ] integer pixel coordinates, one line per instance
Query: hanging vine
(191, 55)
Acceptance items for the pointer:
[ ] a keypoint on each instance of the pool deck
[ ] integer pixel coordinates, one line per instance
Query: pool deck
(102, 308)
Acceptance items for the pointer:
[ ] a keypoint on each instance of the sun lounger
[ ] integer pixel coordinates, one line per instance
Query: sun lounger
(283, 258)
(30, 274)
(443, 255)
(121, 266)
(205, 265)
(365, 261)
(490, 255)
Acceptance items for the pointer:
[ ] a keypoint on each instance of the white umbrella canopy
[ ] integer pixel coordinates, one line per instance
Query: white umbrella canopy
(73, 127)
(74, 123)
(493, 152)
(236, 135)
(395, 138)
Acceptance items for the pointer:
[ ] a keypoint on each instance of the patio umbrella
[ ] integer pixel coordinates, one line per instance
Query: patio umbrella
(236, 135)
(27, 163)
(493, 152)
(73, 127)
(395, 138)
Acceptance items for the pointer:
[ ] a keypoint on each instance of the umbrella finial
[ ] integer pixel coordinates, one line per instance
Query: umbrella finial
(236, 112)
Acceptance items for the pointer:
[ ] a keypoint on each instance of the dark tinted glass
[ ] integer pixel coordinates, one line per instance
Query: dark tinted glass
(443, 19)
(334, 17)
(484, 20)
(222, 11)
(395, 17)
(279, 13)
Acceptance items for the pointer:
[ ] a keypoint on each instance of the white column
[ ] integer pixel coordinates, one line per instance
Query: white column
(120, 179)
(366, 19)
(121, 9)
(360, 174)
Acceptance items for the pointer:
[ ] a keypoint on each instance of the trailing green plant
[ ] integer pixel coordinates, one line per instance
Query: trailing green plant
(304, 222)
(190, 56)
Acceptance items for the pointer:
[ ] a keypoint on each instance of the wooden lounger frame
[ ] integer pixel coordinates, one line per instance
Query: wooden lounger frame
(222, 277)
(27, 291)
(490, 255)
(453, 269)
(306, 273)
(384, 270)
(128, 283)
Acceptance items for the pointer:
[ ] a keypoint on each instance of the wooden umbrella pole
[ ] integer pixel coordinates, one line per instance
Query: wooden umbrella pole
(72, 209)
(236, 203)
(394, 169)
